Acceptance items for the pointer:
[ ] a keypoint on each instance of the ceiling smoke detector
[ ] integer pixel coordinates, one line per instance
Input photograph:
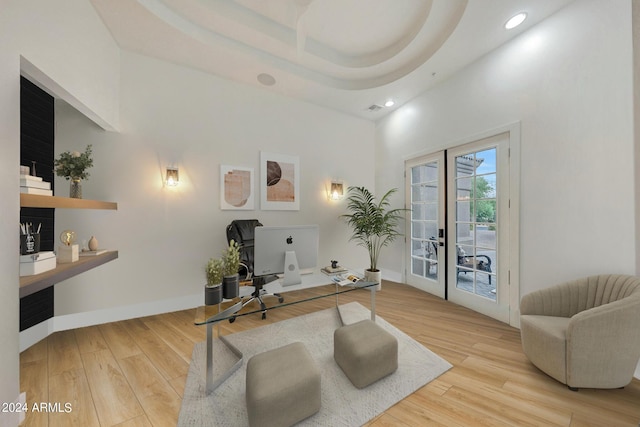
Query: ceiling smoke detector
(373, 108)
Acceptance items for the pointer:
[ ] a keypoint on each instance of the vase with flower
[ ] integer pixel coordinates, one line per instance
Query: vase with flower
(73, 165)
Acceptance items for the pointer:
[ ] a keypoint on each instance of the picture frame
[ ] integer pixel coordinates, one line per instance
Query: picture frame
(236, 188)
(279, 182)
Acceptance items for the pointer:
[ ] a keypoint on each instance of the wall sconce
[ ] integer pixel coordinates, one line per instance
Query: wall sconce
(337, 190)
(172, 179)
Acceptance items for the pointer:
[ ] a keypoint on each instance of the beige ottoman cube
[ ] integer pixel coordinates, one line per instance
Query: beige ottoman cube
(365, 352)
(283, 386)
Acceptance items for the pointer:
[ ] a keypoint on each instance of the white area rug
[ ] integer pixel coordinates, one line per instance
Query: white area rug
(342, 403)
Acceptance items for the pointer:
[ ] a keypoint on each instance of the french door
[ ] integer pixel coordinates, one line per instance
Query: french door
(425, 179)
(459, 225)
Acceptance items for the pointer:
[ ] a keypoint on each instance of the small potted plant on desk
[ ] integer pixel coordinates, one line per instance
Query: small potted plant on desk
(213, 288)
(231, 279)
(374, 225)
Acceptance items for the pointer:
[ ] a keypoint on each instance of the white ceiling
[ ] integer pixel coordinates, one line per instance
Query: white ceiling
(343, 54)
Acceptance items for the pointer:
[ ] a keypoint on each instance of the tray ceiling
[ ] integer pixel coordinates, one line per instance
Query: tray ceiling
(342, 54)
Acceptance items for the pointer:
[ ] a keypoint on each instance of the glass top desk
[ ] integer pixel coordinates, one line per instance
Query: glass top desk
(316, 283)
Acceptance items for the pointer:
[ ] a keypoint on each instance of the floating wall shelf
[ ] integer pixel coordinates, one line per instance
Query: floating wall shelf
(37, 201)
(37, 282)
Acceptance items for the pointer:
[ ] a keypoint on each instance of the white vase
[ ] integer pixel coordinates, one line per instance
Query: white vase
(374, 276)
(93, 244)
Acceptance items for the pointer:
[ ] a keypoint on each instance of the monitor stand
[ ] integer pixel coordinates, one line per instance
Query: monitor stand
(291, 271)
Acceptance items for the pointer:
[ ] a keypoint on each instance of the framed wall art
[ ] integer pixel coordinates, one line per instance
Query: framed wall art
(279, 182)
(236, 188)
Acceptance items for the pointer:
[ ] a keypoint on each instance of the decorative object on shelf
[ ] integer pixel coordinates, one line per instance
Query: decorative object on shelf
(73, 165)
(236, 188)
(374, 224)
(172, 178)
(29, 238)
(75, 188)
(279, 182)
(337, 190)
(93, 244)
(37, 263)
(213, 288)
(30, 184)
(69, 251)
(231, 278)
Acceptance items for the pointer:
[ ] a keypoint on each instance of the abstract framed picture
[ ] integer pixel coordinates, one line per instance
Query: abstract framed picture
(236, 188)
(279, 182)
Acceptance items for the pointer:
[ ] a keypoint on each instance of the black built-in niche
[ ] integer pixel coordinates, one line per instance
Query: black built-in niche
(37, 144)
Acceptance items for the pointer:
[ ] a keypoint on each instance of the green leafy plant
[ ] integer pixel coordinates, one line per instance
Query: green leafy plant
(374, 224)
(73, 164)
(231, 258)
(214, 270)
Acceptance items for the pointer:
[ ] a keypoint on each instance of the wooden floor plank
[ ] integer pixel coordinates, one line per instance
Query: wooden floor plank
(178, 342)
(90, 339)
(114, 400)
(34, 381)
(71, 387)
(141, 421)
(63, 352)
(491, 383)
(168, 362)
(118, 340)
(161, 404)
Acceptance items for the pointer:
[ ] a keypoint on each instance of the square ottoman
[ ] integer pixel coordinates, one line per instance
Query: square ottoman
(365, 352)
(283, 386)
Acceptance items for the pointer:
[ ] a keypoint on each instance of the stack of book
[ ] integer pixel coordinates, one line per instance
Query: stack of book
(30, 184)
(37, 263)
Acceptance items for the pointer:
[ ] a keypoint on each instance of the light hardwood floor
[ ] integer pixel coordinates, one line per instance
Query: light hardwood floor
(132, 373)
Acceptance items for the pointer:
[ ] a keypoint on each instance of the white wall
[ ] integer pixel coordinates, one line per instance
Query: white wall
(568, 81)
(65, 43)
(175, 115)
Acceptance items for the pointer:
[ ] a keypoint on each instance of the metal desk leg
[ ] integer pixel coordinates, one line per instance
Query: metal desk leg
(209, 357)
(373, 303)
(210, 383)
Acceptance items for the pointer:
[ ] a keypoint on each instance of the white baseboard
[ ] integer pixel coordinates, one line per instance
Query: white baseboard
(637, 374)
(30, 336)
(393, 276)
(40, 331)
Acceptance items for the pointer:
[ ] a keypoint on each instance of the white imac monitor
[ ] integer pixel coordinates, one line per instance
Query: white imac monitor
(286, 249)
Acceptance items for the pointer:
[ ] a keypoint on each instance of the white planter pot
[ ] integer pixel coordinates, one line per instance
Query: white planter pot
(374, 276)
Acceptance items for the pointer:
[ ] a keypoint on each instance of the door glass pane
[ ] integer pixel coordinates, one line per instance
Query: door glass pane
(486, 161)
(477, 222)
(424, 220)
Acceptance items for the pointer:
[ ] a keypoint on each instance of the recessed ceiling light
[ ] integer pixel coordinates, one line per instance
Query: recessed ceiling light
(266, 79)
(389, 103)
(515, 20)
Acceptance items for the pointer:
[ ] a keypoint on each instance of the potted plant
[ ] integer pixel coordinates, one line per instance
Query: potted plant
(73, 165)
(374, 225)
(231, 278)
(213, 288)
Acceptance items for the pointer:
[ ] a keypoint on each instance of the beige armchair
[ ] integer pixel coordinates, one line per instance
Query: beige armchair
(584, 333)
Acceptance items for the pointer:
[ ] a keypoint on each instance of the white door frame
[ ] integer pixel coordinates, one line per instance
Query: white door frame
(513, 231)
